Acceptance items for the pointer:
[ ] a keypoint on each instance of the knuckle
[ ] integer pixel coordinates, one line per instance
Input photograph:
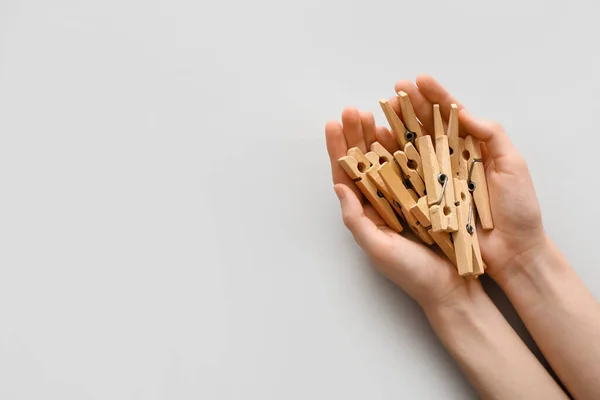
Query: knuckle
(348, 221)
(519, 162)
(496, 126)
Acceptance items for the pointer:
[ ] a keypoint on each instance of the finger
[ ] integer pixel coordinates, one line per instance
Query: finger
(367, 122)
(498, 145)
(437, 94)
(387, 139)
(485, 156)
(337, 148)
(353, 129)
(422, 106)
(365, 231)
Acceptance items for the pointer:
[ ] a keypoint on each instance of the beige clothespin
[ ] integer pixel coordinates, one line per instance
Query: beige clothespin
(357, 166)
(385, 155)
(466, 242)
(374, 176)
(442, 239)
(462, 163)
(444, 242)
(463, 242)
(476, 181)
(402, 134)
(478, 264)
(421, 212)
(408, 115)
(408, 157)
(442, 152)
(412, 168)
(403, 197)
(441, 205)
(453, 140)
(408, 131)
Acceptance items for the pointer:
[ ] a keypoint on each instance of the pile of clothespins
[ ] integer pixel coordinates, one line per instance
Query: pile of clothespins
(438, 191)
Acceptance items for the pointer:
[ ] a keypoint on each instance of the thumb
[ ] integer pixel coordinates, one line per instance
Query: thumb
(364, 230)
(497, 142)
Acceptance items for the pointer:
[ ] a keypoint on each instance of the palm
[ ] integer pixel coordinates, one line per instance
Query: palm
(517, 216)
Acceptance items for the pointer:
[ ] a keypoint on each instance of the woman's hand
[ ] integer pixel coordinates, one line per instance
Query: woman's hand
(518, 234)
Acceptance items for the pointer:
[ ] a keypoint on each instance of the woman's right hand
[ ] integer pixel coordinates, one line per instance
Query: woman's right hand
(518, 234)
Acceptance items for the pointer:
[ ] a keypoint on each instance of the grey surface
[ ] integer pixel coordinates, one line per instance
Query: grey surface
(168, 228)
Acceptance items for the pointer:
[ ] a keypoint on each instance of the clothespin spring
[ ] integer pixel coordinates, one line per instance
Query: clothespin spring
(409, 135)
(470, 228)
(470, 183)
(443, 180)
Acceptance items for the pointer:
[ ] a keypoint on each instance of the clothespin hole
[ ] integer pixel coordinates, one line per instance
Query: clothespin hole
(379, 194)
(466, 155)
(471, 186)
(451, 150)
(412, 164)
(442, 178)
(362, 167)
(446, 210)
(463, 196)
(382, 160)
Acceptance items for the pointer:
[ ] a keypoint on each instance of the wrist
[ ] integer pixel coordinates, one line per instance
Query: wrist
(539, 263)
(464, 301)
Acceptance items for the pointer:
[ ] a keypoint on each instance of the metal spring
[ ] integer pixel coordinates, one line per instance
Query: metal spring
(409, 135)
(470, 183)
(443, 180)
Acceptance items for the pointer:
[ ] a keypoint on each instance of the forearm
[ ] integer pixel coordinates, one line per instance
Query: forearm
(492, 356)
(562, 316)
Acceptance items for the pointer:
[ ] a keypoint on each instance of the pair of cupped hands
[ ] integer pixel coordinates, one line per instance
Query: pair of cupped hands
(430, 279)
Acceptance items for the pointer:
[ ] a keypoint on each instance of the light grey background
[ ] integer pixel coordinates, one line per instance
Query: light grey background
(168, 228)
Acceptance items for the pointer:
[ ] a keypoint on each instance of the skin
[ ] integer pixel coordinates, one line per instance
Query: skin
(559, 311)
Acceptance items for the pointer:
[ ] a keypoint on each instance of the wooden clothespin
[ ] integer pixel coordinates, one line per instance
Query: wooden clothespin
(476, 180)
(402, 134)
(441, 205)
(412, 168)
(463, 243)
(442, 152)
(453, 140)
(381, 186)
(478, 264)
(406, 134)
(466, 242)
(408, 115)
(357, 166)
(421, 212)
(402, 196)
(444, 242)
(408, 131)
(462, 163)
(385, 155)
(442, 239)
